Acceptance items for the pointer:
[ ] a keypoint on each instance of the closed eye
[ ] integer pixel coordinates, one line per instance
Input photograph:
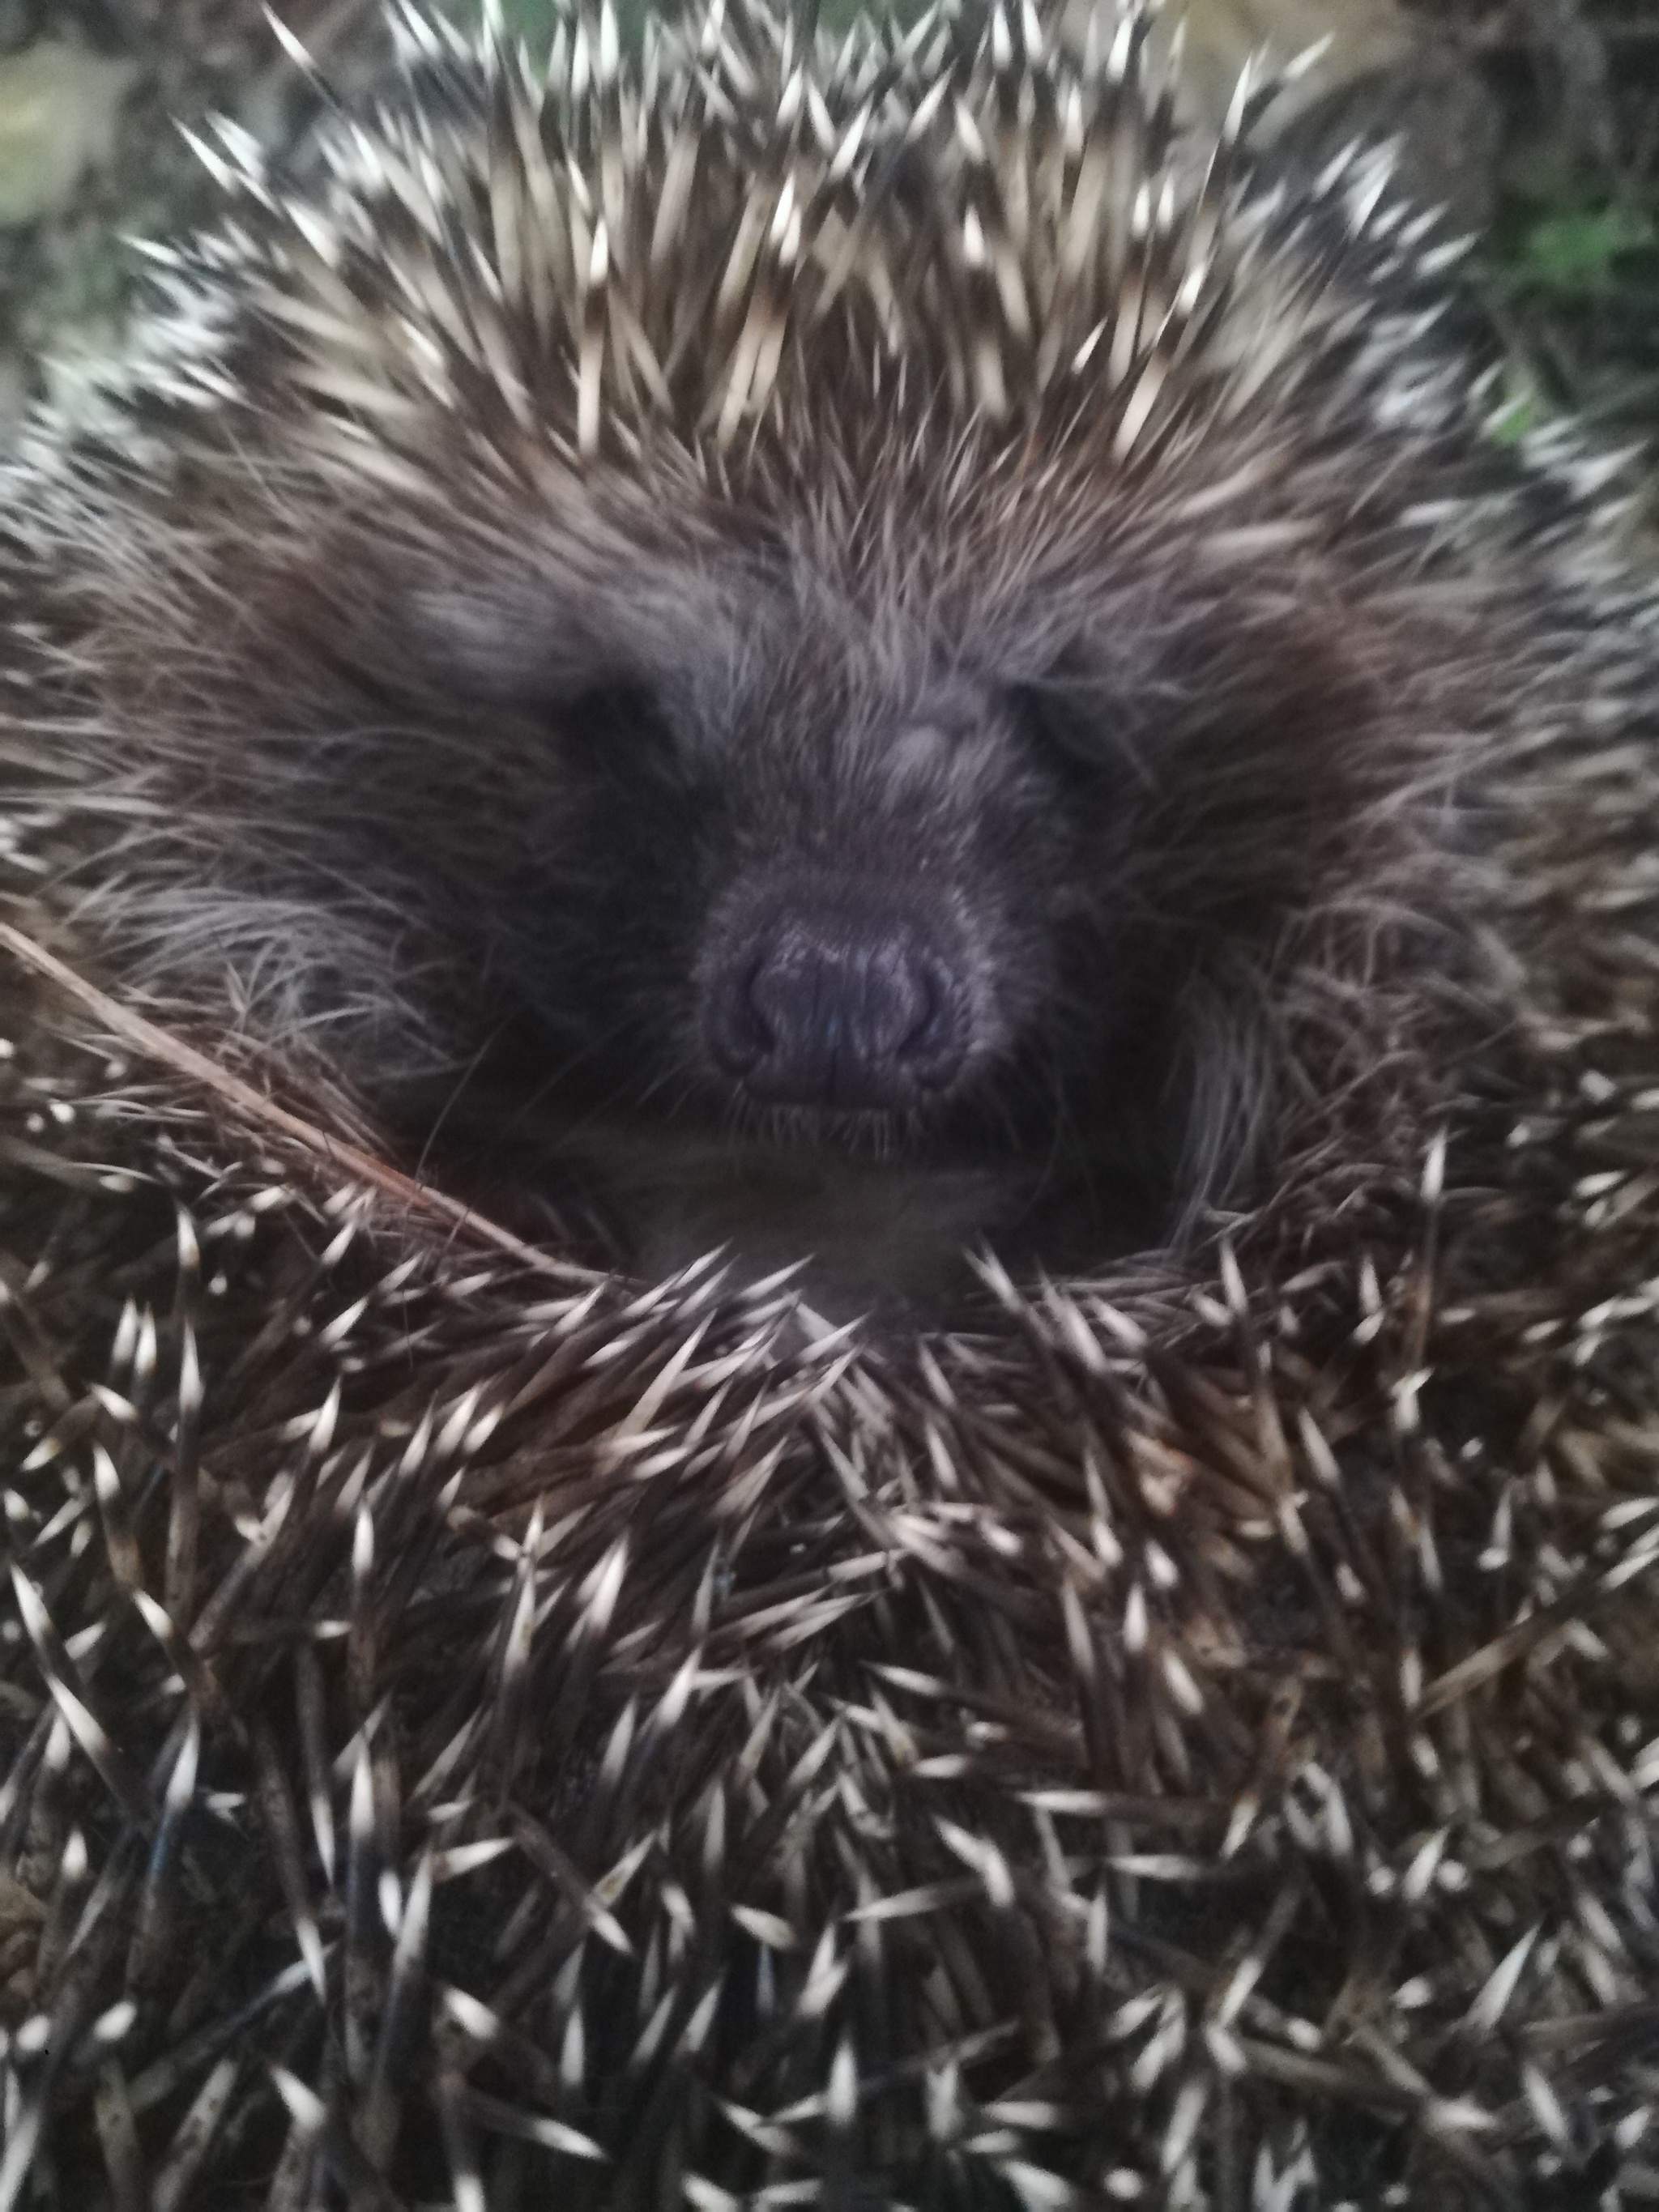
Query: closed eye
(615, 728)
(1080, 724)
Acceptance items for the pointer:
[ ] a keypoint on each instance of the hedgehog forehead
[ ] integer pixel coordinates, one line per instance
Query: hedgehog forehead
(607, 576)
(726, 654)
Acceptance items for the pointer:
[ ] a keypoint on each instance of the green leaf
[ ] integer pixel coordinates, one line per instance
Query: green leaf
(1579, 250)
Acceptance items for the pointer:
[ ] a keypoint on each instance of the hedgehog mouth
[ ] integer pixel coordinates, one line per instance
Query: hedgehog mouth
(835, 1066)
(514, 1134)
(881, 1204)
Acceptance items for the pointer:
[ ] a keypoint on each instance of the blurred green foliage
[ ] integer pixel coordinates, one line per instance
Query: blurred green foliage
(1573, 284)
(1566, 251)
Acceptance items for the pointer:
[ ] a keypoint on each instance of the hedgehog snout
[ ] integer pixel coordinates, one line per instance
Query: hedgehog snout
(828, 999)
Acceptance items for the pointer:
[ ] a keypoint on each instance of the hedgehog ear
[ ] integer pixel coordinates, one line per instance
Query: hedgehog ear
(536, 599)
(585, 586)
(544, 624)
(544, 640)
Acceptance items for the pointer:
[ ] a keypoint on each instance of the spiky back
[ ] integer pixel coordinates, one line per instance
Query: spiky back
(746, 234)
(1189, 1744)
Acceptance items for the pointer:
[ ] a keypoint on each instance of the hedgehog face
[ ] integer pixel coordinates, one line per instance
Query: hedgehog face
(794, 878)
(834, 926)
(596, 864)
(598, 860)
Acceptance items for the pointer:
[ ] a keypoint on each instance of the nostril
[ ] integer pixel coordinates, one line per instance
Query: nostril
(933, 1045)
(740, 1032)
(762, 1027)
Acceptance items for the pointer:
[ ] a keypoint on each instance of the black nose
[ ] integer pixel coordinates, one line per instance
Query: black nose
(827, 1004)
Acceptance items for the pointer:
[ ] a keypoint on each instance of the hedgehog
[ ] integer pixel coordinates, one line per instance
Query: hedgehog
(830, 1248)
(715, 766)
